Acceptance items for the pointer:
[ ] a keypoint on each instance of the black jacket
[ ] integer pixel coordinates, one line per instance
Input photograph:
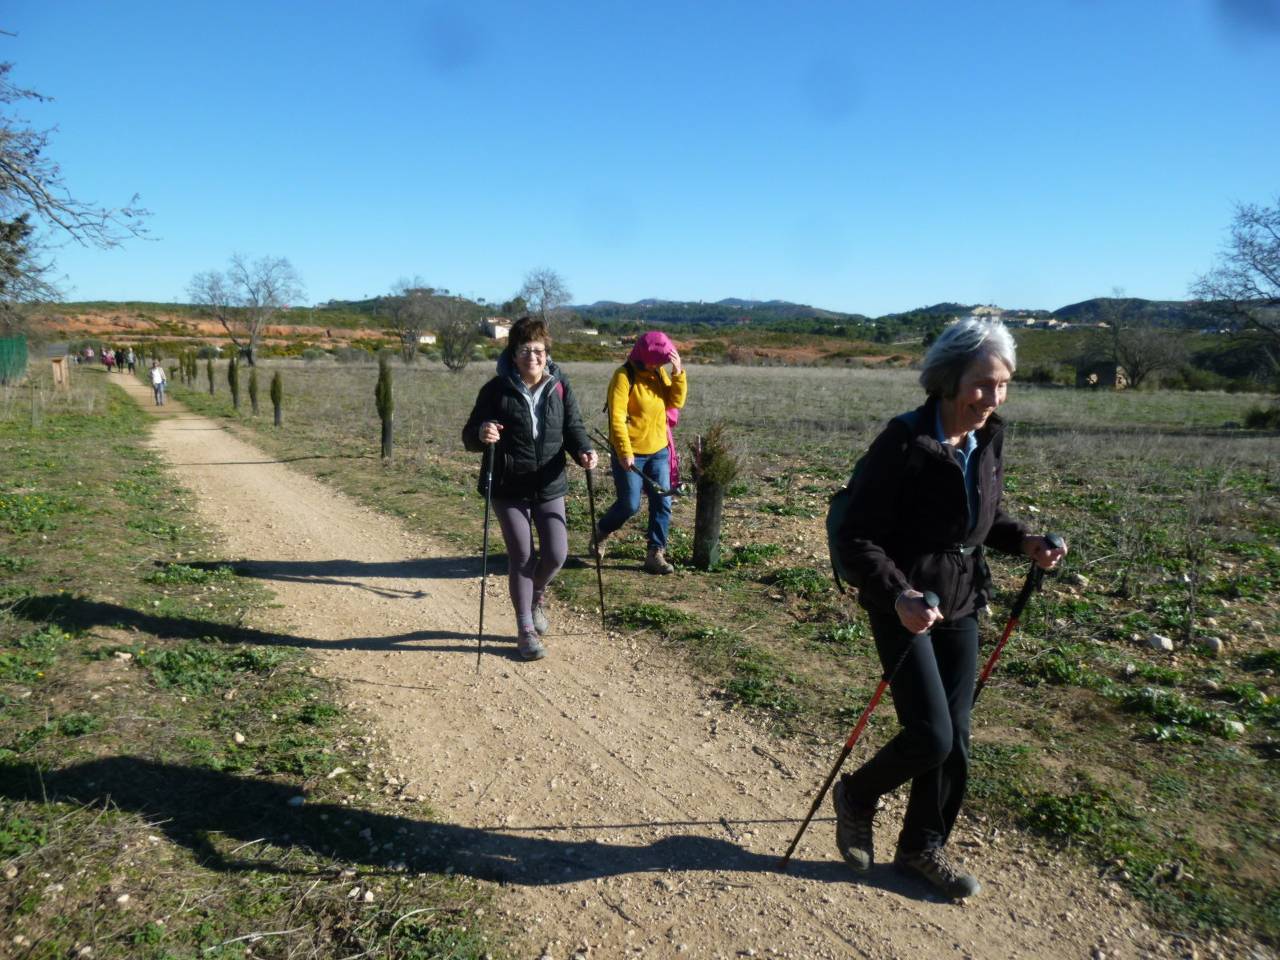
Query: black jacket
(909, 517)
(526, 468)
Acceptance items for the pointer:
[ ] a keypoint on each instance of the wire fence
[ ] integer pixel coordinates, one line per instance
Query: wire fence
(13, 358)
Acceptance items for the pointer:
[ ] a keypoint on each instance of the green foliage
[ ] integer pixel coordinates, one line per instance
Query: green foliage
(174, 573)
(19, 834)
(751, 555)
(22, 512)
(312, 354)
(32, 655)
(1075, 816)
(651, 616)
(803, 582)
(78, 724)
(233, 380)
(715, 459)
(201, 666)
(253, 390)
(1263, 418)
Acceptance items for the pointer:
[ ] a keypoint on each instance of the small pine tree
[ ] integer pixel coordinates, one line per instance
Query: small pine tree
(277, 394)
(208, 372)
(233, 381)
(386, 403)
(253, 390)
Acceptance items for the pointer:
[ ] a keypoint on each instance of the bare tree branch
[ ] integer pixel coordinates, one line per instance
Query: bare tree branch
(246, 297)
(34, 195)
(544, 291)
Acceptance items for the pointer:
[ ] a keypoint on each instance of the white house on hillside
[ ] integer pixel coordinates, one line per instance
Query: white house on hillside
(495, 328)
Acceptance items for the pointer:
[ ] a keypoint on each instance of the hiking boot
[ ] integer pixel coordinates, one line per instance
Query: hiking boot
(529, 646)
(540, 622)
(656, 562)
(854, 835)
(597, 545)
(935, 868)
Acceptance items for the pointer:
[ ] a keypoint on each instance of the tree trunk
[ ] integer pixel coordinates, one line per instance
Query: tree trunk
(706, 524)
(386, 438)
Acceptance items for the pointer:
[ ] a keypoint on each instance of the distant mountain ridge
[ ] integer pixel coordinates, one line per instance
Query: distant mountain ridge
(727, 311)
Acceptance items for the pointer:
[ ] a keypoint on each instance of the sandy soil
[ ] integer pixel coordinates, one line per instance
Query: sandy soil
(623, 811)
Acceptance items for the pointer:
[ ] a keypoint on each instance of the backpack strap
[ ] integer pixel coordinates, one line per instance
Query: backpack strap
(630, 371)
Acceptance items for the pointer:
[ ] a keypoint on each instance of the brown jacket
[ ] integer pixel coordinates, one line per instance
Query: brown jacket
(909, 517)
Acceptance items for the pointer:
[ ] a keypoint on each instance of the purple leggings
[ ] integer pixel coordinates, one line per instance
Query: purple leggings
(528, 577)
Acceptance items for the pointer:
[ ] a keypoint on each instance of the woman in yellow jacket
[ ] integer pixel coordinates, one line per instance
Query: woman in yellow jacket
(640, 393)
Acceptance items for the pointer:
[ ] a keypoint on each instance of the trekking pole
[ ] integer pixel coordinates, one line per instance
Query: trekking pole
(1035, 579)
(886, 678)
(595, 547)
(646, 480)
(484, 567)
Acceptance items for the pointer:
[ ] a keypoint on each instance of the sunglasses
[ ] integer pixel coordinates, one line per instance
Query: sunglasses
(531, 352)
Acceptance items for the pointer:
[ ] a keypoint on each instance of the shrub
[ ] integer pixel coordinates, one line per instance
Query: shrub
(312, 354)
(1263, 418)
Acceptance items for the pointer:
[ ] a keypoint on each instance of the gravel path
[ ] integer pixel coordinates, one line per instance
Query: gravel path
(623, 810)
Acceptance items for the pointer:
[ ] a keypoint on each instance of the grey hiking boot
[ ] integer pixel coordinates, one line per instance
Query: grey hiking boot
(540, 622)
(935, 868)
(656, 562)
(854, 834)
(529, 646)
(597, 545)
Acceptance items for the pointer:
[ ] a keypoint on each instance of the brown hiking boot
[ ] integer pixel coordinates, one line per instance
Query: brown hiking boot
(935, 868)
(656, 562)
(854, 834)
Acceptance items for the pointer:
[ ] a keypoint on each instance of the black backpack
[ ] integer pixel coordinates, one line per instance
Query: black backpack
(842, 500)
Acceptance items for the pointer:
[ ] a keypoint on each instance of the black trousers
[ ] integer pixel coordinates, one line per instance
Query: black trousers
(933, 696)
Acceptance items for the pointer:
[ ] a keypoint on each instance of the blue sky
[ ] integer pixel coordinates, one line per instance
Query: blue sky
(859, 156)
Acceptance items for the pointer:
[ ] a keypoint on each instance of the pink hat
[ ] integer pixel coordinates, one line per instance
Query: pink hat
(652, 349)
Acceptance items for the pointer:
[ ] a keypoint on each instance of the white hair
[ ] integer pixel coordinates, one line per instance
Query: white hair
(958, 346)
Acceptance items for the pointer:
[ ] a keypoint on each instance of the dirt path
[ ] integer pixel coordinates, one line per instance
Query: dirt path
(626, 813)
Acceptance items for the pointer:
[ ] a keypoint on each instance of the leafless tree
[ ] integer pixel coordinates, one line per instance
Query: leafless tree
(544, 291)
(409, 309)
(1243, 290)
(1135, 345)
(457, 327)
(37, 209)
(246, 297)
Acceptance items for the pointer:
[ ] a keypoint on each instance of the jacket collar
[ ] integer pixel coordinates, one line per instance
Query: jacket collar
(927, 413)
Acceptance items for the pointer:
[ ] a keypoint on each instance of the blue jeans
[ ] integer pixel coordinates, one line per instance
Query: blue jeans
(655, 466)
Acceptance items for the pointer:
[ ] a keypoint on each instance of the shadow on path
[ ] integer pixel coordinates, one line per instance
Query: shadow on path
(79, 613)
(195, 806)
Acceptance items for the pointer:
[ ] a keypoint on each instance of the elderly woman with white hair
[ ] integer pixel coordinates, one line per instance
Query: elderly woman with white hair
(925, 503)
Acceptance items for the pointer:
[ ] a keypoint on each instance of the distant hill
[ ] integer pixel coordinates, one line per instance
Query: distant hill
(730, 310)
(1174, 314)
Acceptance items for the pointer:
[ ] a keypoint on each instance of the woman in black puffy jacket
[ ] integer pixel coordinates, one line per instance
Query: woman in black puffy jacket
(924, 503)
(528, 411)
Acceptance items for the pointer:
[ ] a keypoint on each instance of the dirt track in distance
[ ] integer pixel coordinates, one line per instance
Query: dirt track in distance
(626, 812)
